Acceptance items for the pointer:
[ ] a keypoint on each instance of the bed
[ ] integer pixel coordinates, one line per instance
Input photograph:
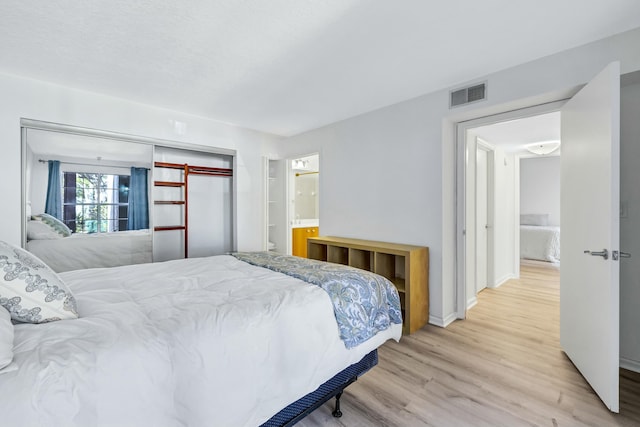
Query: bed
(538, 240)
(216, 341)
(79, 251)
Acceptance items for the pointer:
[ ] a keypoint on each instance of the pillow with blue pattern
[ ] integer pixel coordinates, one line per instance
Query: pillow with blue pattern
(54, 223)
(30, 291)
(6, 342)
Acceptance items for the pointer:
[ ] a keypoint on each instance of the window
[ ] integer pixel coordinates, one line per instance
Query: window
(95, 202)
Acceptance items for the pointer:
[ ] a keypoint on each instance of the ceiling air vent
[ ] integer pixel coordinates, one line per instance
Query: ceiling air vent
(468, 94)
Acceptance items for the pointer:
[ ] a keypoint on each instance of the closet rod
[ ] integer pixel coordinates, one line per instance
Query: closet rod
(306, 173)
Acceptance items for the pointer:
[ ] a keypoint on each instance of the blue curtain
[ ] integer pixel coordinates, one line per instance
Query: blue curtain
(53, 205)
(138, 199)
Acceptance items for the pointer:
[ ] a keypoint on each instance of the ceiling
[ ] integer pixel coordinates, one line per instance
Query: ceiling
(48, 145)
(288, 66)
(513, 135)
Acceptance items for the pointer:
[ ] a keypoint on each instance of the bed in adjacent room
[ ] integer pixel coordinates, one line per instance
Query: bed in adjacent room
(538, 240)
(63, 251)
(216, 341)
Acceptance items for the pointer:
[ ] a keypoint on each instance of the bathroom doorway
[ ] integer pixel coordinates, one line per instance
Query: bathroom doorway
(304, 208)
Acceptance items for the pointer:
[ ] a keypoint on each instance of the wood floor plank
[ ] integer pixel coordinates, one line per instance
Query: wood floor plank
(502, 366)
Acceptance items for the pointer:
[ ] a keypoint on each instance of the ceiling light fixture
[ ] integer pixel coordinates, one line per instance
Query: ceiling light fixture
(299, 164)
(543, 148)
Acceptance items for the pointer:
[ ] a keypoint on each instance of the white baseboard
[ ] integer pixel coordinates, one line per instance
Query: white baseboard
(442, 322)
(504, 279)
(472, 302)
(630, 365)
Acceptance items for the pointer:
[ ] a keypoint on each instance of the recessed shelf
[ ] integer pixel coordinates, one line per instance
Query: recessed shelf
(169, 227)
(168, 184)
(169, 202)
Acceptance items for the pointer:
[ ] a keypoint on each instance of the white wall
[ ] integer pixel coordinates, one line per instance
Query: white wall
(505, 253)
(630, 226)
(25, 98)
(540, 187)
(390, 174)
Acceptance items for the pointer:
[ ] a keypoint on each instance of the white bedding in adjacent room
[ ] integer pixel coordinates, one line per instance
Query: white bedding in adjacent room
(197, 342)
(80, 251)
(540, 242)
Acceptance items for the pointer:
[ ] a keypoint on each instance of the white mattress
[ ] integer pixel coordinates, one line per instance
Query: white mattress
(540, 242)
(198, 342)
(80, 251)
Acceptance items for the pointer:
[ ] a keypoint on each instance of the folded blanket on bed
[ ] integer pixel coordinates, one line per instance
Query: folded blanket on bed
(363, 302)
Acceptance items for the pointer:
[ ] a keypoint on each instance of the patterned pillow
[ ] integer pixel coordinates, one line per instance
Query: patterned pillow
(55, 224)
(6, 338)
(30, 291)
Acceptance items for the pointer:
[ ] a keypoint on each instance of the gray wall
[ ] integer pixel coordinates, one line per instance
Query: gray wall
(540, 187)
(630, 226)
(389, 174)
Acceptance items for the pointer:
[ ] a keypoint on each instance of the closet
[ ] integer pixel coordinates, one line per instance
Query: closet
(190, 188)
(192, 203)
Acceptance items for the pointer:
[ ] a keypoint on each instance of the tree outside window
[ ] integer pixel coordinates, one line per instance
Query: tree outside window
(95, 202)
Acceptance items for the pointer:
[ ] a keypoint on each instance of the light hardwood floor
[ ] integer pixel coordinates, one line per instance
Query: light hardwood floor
(503, 366)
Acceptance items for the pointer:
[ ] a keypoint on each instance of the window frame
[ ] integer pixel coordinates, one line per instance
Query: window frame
(113, 224)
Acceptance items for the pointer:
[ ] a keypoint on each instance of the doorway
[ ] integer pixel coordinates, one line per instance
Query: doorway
(591, 126)
(484, 214)
(303, 207)
(492, 149)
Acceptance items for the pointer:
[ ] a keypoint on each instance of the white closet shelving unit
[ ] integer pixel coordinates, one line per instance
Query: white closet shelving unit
(275, 216)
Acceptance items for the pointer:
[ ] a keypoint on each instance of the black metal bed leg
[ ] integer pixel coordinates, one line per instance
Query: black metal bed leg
(337, 412)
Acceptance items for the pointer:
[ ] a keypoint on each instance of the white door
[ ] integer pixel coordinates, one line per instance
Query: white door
(589, 211)
(481, 218)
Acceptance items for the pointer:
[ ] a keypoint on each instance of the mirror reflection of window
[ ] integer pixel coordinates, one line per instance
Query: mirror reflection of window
(95, 202)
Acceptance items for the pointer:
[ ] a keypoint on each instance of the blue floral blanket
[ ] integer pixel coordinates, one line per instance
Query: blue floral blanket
(363, 302)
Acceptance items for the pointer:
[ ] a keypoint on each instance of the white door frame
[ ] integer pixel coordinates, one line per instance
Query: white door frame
(461, 161)
(290, 196)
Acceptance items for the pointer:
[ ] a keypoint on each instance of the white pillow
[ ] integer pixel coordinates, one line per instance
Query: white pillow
(30, 290)
(534, 219)
(54, 223)
(38, 230)
(6, 339)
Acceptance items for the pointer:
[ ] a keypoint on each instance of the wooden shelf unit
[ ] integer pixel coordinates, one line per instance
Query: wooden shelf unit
(406, 266)
(175, 184)
(184, 184)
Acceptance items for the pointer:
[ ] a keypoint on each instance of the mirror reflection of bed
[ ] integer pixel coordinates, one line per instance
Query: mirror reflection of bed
(90, 201)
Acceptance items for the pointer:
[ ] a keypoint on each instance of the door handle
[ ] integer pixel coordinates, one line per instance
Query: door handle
(604, 253)
(615, 255)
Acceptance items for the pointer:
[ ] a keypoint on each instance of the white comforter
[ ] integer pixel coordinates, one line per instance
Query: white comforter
(199, 342)
(80, 251)
(540, 242)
